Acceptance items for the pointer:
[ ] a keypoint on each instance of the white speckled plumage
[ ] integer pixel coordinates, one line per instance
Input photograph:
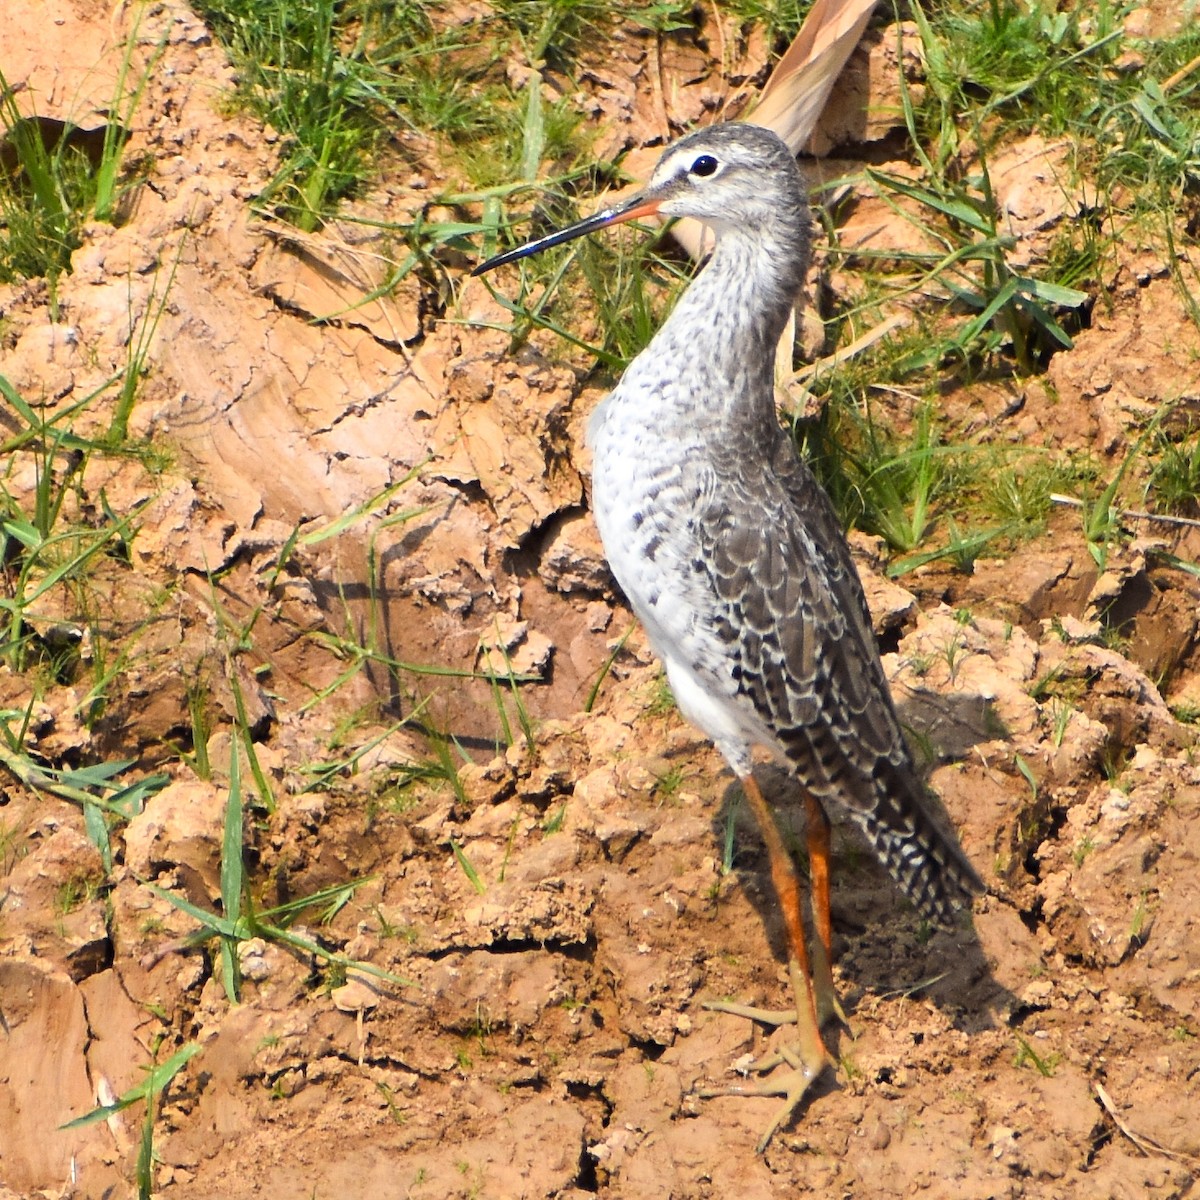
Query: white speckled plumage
(732, 557)
(704, 382)
(726, 547)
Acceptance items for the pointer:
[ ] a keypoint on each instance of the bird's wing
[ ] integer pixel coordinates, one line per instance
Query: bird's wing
(790, 595)
(786, 583)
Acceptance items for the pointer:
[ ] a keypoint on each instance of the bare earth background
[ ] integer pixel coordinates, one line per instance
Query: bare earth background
(554, 1039)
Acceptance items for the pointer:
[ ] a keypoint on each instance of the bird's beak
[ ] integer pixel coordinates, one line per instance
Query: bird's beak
(641, 205)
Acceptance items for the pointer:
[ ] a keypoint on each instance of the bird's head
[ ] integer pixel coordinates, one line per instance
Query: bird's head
(728, 176)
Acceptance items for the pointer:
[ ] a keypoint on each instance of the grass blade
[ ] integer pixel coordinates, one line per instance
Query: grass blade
(157, 1078)
(232, 875)
(467, 867)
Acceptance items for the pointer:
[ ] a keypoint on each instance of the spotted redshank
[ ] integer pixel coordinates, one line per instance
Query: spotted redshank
(734, 561)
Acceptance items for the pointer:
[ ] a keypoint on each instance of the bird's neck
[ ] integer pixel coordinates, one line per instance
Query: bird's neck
(722, 334)
(753, 278)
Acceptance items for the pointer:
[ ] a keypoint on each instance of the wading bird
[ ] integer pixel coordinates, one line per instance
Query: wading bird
(732, 556)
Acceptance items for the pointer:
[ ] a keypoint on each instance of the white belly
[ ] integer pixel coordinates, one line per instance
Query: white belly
(644, 497)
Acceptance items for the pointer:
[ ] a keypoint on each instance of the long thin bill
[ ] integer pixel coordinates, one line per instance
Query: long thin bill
(639, 206)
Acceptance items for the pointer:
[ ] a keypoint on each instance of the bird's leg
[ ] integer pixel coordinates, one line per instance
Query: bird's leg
(809, 1057)
(827, 1004)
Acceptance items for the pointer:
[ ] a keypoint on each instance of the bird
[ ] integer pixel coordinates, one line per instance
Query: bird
(732, 557)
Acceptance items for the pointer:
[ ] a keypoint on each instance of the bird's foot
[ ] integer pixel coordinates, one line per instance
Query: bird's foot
(793, 1085)
(825, 1000)
(806, 1059)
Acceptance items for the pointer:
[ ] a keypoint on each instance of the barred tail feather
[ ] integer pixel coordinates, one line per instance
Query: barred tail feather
(928, 865)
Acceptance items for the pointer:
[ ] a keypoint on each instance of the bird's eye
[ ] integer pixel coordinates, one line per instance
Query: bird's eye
(705, 165)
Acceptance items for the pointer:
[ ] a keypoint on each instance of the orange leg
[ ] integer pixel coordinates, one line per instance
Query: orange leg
(809, 1058)
(818, 864)
(783, 873)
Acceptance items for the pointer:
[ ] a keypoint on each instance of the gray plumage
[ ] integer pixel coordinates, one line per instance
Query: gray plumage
(728, 550)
